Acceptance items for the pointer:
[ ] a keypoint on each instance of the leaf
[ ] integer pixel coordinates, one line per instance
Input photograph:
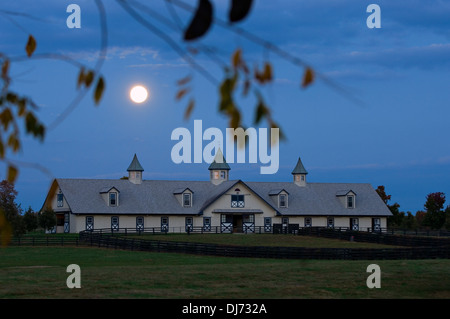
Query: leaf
(239, 10)
(5, 68)
(237, 58)
(13, 142)
(184, 80)
(31, 45)
(181, 93)
(308, 77)
(80, 78)
(261, 111)
(33, 126)
(5, 118)
(12, 174)
(235, 120)
(267, 72)
(189, 109)
(99, 88)
(88, 78)
(201, 22)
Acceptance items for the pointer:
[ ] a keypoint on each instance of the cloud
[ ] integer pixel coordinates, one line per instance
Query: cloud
(116, 52)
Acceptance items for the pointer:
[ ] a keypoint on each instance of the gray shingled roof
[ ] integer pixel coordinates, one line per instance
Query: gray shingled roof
(157, 197)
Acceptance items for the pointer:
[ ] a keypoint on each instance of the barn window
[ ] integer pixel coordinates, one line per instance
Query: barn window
(112, 199)
(59, 200)
(237, 201)
(187, 200)
(350, 201)
(283, 200)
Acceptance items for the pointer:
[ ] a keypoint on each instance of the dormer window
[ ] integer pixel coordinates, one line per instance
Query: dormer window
(187, 200)
(347, 198)
(282, 200)
(113, 199)
(350, 201)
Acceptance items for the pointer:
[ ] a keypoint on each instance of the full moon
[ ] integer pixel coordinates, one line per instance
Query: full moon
(138, 94)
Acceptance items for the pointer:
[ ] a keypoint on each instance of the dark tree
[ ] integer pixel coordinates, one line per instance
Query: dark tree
(10, 209)
(434, 206)
(47, 219)
(396, 220)
(30, 220)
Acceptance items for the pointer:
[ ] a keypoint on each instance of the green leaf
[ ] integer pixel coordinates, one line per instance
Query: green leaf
(31, 45)
(201, 22)
(239, 10)
(99, 88)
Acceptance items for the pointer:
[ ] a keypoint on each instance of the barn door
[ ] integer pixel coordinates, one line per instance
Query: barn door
(114, 223)
(66, 223)
(189, 225)
(354, 224)
(139, 223)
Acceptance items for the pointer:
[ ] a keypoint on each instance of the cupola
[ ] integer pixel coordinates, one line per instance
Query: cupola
(135, 171)
(219, 169)
(299, 173)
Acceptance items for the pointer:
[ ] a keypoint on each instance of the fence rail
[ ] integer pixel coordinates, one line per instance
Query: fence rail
(46, 241)
(109, 240)
(415, 247)
(119, 242)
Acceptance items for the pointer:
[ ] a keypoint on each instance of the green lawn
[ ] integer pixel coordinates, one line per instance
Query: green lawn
(40, 272)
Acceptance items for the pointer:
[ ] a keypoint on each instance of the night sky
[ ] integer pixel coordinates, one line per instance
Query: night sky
(379, 112)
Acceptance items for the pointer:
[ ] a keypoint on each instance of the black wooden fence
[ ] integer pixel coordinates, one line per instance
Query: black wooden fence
(46, 241)
(414, 247)
(121, 242)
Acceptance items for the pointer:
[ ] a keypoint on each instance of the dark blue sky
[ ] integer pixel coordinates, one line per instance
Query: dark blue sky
(398, 136)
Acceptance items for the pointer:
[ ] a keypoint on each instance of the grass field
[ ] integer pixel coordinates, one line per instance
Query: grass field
(263, 240)
(40, 272)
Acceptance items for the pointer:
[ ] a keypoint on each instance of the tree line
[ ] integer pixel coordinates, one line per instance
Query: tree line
(433, 216)
(14, 220)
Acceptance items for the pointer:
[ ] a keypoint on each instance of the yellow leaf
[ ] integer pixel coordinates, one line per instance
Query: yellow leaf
(12, 174)
(31, 45)
(308, 77)
(237, 58)
(267, 72)
(88, 78)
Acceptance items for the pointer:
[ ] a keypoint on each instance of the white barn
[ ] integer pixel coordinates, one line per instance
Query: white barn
(216, 205)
